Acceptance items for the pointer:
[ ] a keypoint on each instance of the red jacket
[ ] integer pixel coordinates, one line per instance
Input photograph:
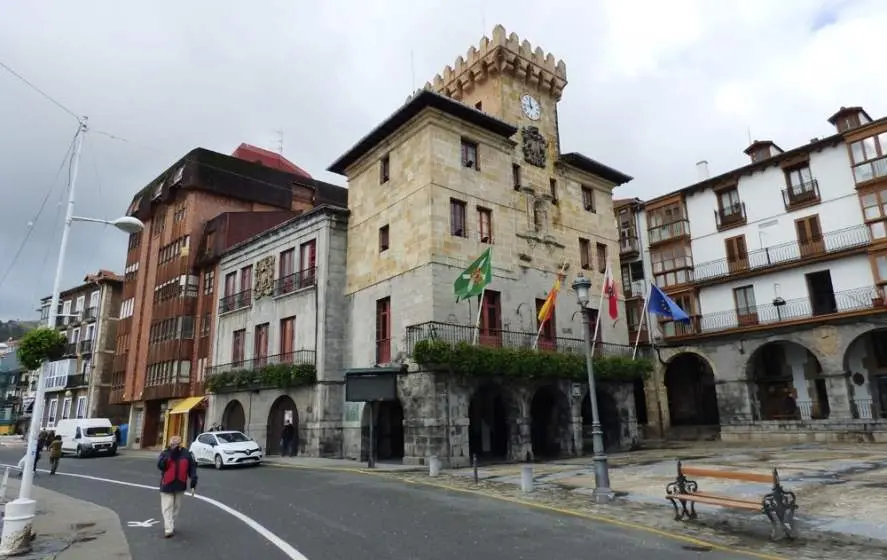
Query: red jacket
(177, 466)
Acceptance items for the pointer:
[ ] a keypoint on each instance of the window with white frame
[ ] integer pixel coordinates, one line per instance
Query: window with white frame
(81, 407)
(86, 367)
(66, 408)
(51, 413)
(126, 308)
(94, 299)
(75, 336)
(66, 311)
(90, 332)
(78, 305)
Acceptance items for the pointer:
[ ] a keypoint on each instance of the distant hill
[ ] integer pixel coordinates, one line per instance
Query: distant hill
(15, 329)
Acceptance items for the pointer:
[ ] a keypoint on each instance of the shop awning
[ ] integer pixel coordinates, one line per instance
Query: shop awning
(186, 405)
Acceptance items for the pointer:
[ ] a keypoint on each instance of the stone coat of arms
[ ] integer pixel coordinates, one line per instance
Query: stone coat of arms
(535, 146)
(264, 277)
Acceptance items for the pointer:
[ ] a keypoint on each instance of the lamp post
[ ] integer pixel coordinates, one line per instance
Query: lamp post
(20, 513)
(602, 493)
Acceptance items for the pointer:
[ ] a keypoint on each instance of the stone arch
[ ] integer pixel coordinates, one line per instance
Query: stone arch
(488, 423)
(234, 417)
(550, 423)
(786, 382)
(608, 413)
(690, 390)
(388, 431)
(865, 361)
(283, 409)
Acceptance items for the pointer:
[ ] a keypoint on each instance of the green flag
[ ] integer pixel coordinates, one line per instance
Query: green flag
(475, 278)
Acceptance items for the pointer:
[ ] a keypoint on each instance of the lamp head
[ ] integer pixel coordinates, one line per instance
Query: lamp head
(581, 285)
(128, 224)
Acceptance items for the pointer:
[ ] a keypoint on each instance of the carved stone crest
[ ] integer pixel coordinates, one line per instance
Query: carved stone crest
(264, 277)
(535, 146)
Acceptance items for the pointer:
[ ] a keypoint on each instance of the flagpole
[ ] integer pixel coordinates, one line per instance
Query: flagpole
(560, 277)
(480, 309)
(538, 334)
(643, 320)
(600, 305)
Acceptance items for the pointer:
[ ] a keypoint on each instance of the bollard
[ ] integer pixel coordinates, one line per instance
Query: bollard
(474, 465)
(3, 484)
(526, 479)
(433, 466)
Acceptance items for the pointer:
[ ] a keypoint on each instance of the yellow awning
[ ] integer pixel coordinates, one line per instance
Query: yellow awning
(186, 405)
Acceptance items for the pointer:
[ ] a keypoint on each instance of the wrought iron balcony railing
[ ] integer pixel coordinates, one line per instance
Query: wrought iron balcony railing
(855, 237)
(730, 216)
(800, 195)
(86, 346)
(236, 301)
(497, 338)
(90, 313)
(296, 357)
(296, 281)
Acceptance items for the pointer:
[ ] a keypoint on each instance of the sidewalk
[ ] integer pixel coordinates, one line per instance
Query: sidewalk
(69, 529)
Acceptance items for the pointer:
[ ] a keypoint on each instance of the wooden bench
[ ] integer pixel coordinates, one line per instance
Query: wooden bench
(778, 504)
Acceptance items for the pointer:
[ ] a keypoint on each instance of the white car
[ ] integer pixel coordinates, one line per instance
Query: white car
(225, 449)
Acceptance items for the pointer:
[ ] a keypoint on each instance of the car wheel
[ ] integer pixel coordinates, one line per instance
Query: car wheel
(113, 451)
(80, 453)
(218, 462)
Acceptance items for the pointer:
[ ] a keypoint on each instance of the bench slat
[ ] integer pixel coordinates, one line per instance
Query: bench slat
(722, 497)
(731, 503)
(729, 475)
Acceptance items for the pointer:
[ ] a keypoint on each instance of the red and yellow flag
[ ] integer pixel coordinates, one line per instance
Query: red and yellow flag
(548, 307)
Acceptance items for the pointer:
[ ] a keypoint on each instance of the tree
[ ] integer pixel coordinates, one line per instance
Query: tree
(41, 345)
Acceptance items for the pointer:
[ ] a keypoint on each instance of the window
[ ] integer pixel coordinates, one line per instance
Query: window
(52, 412)
(469, 155)
(457, 218)
(809, 236)
(491, 319)
(179, 213)
(667, 223)
(237, 341)
(287, 266)
(75, 336)
(66, 408)
(548, 332)
(585, 254)
(384, 169)
(601, 258)
(308, 261)
(799, 179)
(246, 284)
(90, 332)
(485, 224)
(880, 262)
(209, 281)
(383, 238)
(744, 298)
(868, 157)
(383, 330)
(135, 239)
(730, 208)
(737, 253)
(552, 188)
(287, 338)
(874, 210)
(66, 312)
(260, 345)
(94, 299)
(158, 221)
(78, 305)
(672, 266)
(206, 324)
(515, 176)
(230, 284)
(81, 407)
(588, 199)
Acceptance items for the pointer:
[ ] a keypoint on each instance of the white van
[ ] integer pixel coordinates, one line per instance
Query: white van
(86, 436)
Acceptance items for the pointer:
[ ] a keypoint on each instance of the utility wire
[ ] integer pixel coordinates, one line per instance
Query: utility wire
(33, 223)
(48, 97)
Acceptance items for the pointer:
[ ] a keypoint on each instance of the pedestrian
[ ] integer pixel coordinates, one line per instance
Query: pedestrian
(177, 465)
(287, 436)
(37, 449)
(55, 454)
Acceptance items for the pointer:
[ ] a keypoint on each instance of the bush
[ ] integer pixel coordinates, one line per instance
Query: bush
(279, 376)
(41, 345)
(480, 361)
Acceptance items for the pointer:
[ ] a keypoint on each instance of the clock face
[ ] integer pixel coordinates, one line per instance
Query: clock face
(531, 107)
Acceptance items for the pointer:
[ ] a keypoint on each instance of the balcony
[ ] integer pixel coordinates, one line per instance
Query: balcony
(668, 232)
(453, 334)
(90, 314)
(70, 349)
(296, 281)
(81, 380)
(799, 196)
(841, 242)
(629, 246)
(730, 216)
(116, 395)
(167, 391)
(86, 346)
(873, 169)
(236, 301)
(296, 357)
(780, 313)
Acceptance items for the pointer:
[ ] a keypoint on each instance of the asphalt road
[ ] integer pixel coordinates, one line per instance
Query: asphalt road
(331, 515)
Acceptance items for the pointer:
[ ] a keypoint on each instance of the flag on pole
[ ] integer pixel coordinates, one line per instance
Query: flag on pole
(475, 278)
(548, 307)
(662, 305)
(610, 293)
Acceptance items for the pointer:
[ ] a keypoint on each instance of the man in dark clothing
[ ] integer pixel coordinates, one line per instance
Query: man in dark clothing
(177, 465)
(289, 433)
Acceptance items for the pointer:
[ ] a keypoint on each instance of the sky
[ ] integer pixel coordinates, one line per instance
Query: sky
(653, 88)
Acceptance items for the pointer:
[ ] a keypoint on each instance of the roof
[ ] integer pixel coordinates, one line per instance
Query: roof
(89, 281)
(255, 154)
(424, 99)
(322, 209)
(845, 110)
(585, 163)
(328, 193)
(621, 202)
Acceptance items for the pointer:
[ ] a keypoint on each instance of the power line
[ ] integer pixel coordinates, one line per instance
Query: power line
(51, 99)
(33, 223)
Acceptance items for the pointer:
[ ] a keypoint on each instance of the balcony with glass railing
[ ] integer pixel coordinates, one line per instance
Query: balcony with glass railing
(669, 231)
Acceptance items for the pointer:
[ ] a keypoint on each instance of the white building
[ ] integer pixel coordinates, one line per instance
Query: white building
(781, 265)
(281, 310)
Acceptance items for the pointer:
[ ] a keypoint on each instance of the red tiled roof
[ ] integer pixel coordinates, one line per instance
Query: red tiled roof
(248, 152)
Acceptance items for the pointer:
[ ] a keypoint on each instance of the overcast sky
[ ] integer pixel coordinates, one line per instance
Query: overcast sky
(653, 88)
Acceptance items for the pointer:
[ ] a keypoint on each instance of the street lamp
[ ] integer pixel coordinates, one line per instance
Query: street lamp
(20, 513)
(602, 493)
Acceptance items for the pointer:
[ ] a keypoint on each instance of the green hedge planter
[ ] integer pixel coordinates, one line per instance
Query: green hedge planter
(280, 376)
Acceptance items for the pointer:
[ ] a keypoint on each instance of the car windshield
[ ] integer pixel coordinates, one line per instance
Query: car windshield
(98, 431)
(232, 437)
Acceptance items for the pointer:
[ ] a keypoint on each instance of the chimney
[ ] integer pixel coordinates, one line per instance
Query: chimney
(702, 170)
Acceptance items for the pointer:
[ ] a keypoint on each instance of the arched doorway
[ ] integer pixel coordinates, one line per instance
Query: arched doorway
(488, 423)
(550, 420)
(611, 424)
(234, 418)
(786, 383)
(282, 410)
(866, 361)
(691, 393)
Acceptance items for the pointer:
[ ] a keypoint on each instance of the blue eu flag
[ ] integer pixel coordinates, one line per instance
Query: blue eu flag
(661, 304)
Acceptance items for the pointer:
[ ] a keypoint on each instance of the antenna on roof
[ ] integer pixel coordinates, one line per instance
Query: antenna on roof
(279, 133)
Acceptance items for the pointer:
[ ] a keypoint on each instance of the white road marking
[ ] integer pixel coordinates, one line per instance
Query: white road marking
(146, 523)
(281, 544)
